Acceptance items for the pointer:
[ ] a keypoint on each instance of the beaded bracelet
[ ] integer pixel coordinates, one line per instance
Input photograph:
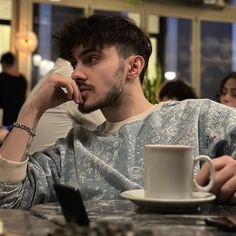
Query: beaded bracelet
(24, 127)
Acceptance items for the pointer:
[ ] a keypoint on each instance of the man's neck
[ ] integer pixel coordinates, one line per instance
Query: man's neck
(11, 71)
(132, 105)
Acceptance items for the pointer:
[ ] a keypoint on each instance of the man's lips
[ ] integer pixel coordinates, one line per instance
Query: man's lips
(84, 89)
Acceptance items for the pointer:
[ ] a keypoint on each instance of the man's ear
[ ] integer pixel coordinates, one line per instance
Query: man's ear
(136, 64)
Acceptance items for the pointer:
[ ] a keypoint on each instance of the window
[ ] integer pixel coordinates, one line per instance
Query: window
(47, 20)
(5, 25)
(218, 55)
(233, 2)
(174, 42)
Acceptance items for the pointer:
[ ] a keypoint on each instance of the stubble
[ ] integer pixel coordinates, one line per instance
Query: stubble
(114, 96)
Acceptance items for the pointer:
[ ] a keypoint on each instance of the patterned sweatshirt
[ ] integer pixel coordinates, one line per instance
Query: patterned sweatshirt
(104, 162)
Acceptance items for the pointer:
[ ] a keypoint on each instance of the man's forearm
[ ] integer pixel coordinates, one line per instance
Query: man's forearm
(16, 144)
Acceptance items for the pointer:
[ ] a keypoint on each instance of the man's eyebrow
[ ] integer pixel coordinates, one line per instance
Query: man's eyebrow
(89, 50)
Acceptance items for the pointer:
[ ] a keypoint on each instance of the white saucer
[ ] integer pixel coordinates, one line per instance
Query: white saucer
(198, 199)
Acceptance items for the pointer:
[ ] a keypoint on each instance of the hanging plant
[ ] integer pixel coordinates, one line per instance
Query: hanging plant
(152, 85)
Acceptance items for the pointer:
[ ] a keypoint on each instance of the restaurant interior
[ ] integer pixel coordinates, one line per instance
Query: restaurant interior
(193, 40)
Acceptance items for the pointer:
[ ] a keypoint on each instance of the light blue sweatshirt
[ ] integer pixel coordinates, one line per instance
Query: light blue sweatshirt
(109, 160)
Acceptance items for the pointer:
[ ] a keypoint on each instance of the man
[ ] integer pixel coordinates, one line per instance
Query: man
(110, 55)
(13, 87)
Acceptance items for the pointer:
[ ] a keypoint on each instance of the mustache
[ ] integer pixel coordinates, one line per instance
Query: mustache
(84, 86)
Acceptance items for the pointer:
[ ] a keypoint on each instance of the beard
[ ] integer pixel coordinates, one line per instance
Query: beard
(113, 97)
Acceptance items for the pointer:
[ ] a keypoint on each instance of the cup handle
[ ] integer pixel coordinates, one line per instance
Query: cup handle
(209, 186)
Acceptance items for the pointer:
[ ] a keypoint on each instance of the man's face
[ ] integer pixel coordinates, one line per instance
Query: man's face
(100, 76)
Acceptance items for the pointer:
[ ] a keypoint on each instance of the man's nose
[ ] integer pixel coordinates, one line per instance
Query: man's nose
(78, 74)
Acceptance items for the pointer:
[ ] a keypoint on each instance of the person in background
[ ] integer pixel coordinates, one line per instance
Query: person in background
(175, 90)
(3, 130)
(227, 90)
(109, 55)
(13, 86)
(3, 134)
(56, 122)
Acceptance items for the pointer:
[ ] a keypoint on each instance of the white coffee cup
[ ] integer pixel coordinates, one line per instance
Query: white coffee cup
(169, 171)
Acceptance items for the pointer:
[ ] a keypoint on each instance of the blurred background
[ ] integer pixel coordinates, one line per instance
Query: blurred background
(193, 40)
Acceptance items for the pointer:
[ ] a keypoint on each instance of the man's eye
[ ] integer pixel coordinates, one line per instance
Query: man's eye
(91, 59)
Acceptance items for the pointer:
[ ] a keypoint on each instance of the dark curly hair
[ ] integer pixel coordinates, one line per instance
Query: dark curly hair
(176, 89)
(100, 31)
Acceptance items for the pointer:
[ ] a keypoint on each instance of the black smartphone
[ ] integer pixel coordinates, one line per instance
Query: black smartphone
(223, 223)
(72, 204)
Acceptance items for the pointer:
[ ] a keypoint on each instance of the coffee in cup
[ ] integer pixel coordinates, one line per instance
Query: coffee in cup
(169, 171)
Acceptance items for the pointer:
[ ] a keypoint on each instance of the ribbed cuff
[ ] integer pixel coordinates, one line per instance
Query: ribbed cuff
(11, 171)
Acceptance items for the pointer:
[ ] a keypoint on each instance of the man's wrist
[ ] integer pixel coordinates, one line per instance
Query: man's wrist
(29, 112)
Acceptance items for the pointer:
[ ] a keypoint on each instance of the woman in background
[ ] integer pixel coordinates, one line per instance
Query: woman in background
(175, 90)
(227, 90)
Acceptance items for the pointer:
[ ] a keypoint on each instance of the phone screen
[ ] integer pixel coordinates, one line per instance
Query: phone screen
(72, 204)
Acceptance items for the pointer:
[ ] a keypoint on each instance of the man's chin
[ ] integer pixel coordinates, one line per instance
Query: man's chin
(86, 108)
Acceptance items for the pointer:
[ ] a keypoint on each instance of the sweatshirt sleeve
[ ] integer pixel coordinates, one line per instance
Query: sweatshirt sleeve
(218, 130)
(31, 182)
(11, 171)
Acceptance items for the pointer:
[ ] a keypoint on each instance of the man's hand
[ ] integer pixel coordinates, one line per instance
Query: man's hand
(51, 93)
(225, 179)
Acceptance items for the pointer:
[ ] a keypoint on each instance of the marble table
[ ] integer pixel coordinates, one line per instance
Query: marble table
(45, 219)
